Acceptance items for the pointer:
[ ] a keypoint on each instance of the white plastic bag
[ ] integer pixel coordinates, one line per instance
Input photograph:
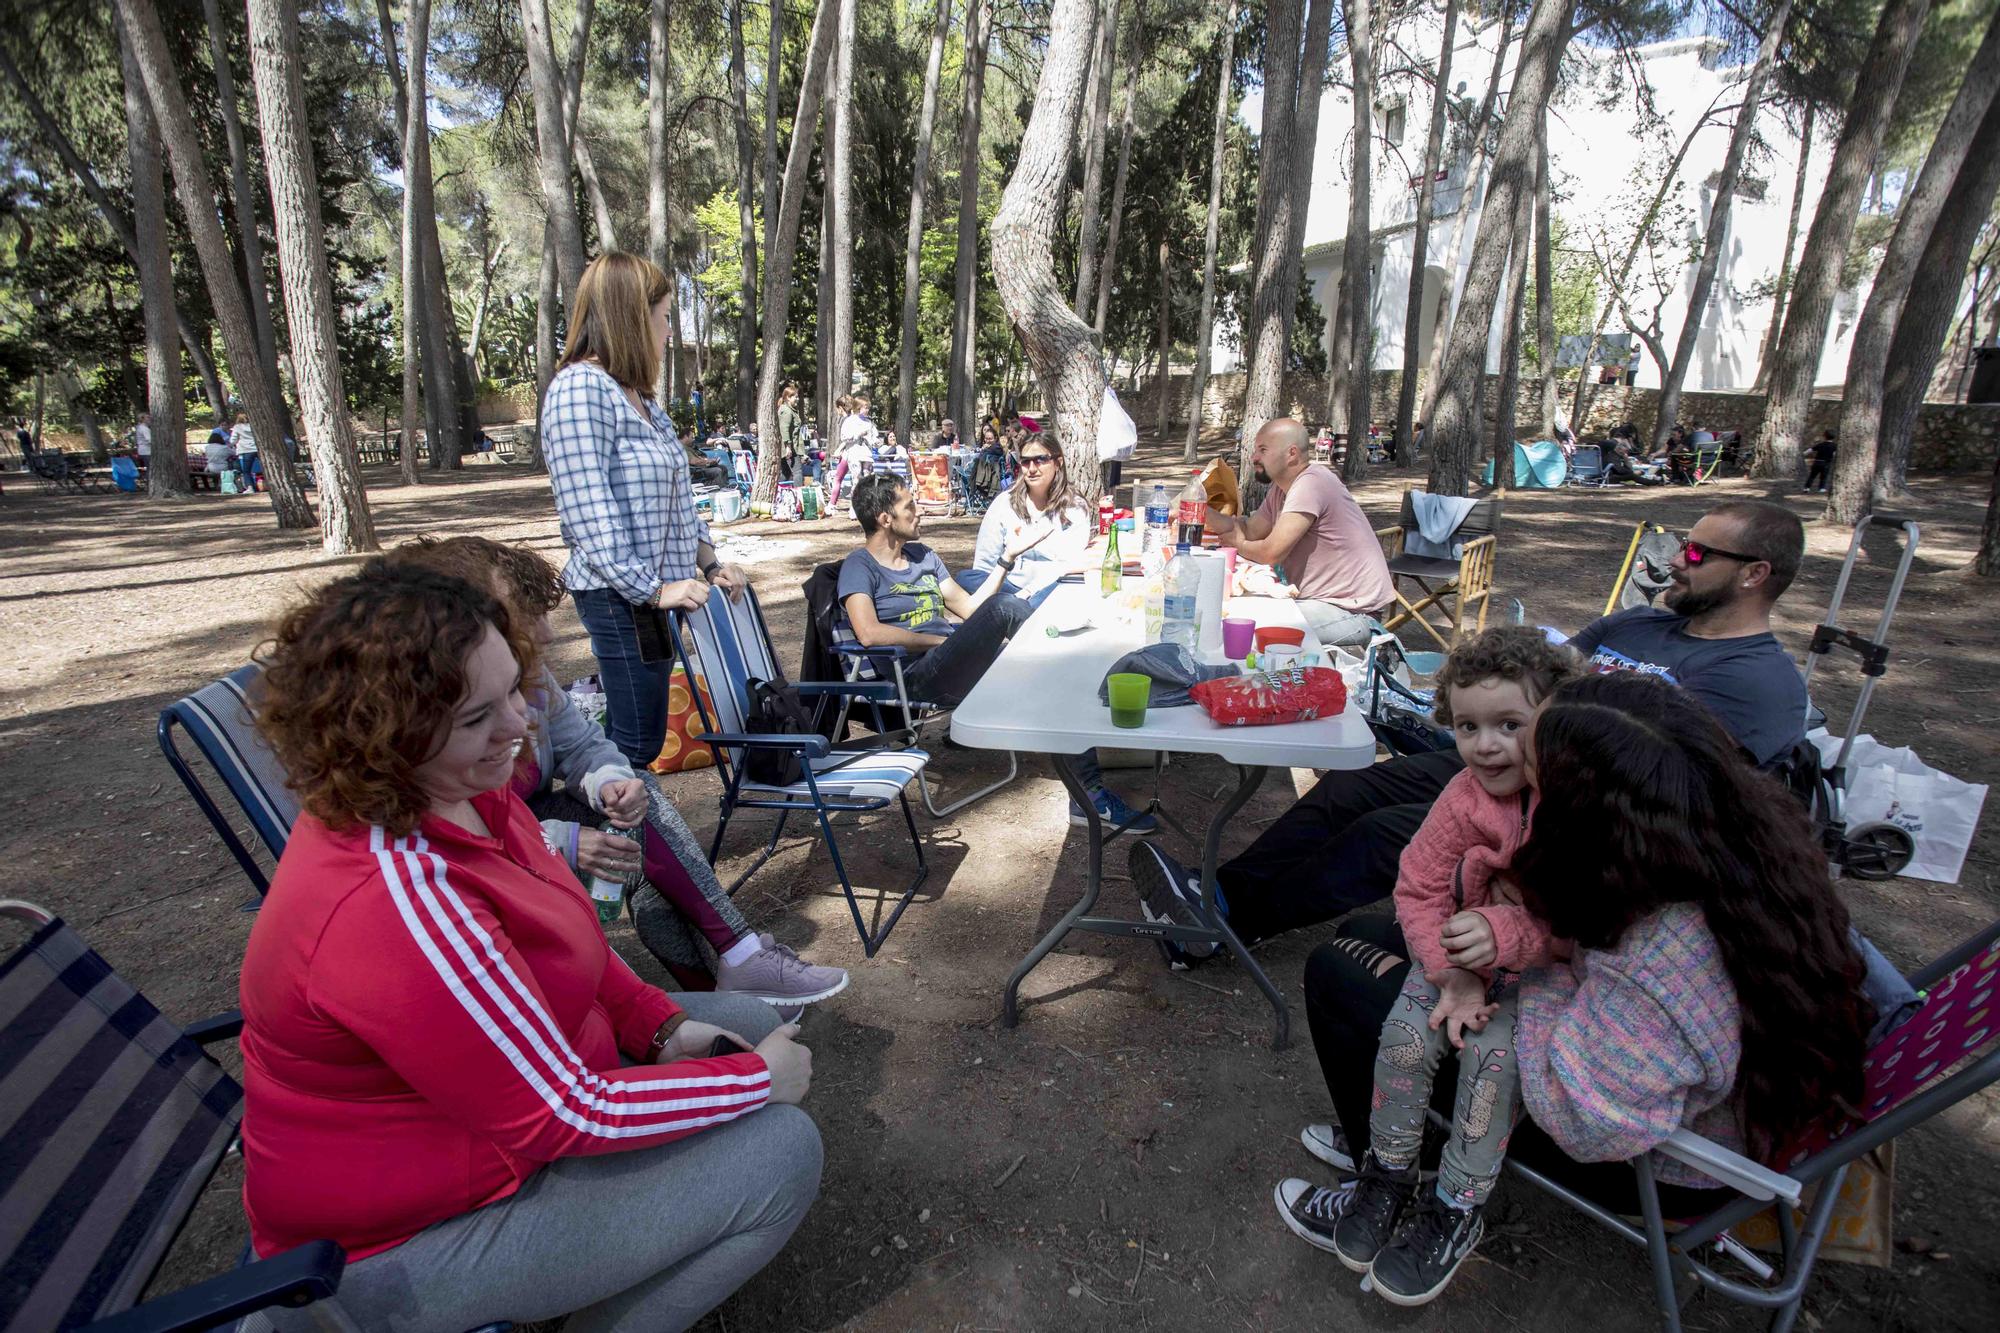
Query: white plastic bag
(1117, 436)
(1891, 784)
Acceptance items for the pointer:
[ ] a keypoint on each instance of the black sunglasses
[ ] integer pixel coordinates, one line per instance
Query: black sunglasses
(1036, 460)
(1695, 553)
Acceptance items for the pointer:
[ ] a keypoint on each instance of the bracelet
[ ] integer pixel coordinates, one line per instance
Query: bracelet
(708, 570)
(665, 1034)
(1006, 566)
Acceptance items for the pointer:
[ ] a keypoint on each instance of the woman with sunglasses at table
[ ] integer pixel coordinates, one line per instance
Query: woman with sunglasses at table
(1041, 508)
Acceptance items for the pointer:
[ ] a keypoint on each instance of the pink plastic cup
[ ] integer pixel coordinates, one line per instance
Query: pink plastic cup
(1237, 634)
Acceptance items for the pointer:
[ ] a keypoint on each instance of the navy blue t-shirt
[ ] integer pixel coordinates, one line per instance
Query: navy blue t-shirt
(1751, 684)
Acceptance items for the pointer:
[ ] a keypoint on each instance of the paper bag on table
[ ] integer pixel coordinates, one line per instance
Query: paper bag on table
(1219, 480)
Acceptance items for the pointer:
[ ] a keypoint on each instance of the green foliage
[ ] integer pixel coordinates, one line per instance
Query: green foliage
(1573, 291)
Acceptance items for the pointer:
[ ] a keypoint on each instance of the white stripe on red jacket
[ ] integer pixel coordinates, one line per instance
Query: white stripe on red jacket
(429, 1019)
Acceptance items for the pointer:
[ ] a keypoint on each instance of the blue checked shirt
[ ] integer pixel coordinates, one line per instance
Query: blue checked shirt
(622, 489)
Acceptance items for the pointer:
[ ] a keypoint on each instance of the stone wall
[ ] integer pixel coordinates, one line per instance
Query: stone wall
(1950, 437)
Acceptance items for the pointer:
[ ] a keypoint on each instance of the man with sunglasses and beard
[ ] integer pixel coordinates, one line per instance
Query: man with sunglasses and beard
(1339, 846)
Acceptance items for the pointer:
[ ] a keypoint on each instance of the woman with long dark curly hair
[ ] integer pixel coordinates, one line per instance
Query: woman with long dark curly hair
(1713, 983)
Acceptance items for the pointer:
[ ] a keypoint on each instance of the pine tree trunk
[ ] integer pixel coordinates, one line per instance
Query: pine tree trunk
(963, 396)
(1762, 382)
(1545, 289)
(1204, 333)
(913, 239)
(1987, 563)
(1162, 381)
(823, 302)
(1059, 345)
(1930, 303)
(1101, 62)
(1471, 171)
(437, 329)
(197, 198)
(346, 527)
(547, 290)
(1506, 411)
(1358, 301)
(785, 243)
(1413, 309)
(658, 77)
(1107, 267)
(841, 183)
(1718, 226)
(250, 242)
(746, 218)
(573, 136)
(411, 254)
(1453, 429)
(1276, 232)
(1795, 360)
(1340, 368)
(167, 475)
(551, 140)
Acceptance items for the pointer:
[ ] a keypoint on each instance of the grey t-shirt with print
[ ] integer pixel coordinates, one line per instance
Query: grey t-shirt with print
(910, 598)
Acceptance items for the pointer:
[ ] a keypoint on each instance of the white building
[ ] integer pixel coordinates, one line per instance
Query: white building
(1605, 163)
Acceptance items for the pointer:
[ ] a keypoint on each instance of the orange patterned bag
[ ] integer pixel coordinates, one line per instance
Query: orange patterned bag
(681, 752)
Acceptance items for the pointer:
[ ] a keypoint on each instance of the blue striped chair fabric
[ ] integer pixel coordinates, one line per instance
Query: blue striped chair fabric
(219, 719)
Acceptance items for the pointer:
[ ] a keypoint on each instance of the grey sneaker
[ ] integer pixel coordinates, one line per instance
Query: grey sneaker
(776, 975)
(1167, 892)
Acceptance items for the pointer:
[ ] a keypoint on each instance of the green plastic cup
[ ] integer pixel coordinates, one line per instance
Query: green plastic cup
(1129, 692)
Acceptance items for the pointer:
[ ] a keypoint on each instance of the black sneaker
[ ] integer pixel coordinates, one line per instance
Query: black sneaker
(1310, 1210)
(1166, 890)
(1328, 1142)
(1419, 1263)
(1375, 1202)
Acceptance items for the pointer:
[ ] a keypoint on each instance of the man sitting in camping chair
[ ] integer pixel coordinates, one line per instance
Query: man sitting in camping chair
(1311, 524)
(897, 593)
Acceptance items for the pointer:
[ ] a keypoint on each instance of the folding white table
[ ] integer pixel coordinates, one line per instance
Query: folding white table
(1041, 697)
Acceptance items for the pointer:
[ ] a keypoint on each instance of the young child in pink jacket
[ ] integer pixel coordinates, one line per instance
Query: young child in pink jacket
(1469, 938)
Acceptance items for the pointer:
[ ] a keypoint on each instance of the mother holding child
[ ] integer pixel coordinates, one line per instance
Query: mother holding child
(1610, 921)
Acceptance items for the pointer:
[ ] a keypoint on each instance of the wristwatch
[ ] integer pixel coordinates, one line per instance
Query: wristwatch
(708, 570)
(664, 1035)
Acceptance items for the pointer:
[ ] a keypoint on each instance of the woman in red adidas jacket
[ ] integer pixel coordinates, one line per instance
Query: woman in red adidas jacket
(447, 1069)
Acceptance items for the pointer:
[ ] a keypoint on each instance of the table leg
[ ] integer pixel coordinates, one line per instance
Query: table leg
(1248, 780)
(1094, 880)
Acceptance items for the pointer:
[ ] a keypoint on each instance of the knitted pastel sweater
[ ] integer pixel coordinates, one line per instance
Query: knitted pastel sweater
(1620, 1047)
(1451, 866)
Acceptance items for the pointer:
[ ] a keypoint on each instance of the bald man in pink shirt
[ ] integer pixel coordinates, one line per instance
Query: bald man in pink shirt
(1311, 524)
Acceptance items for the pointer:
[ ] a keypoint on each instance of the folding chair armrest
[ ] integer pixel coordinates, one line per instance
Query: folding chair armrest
(863, 650)
(214, 1028)
(858, 689)
(300, 1276)
(812, 745)
(1477, 542)
(1731, 1168)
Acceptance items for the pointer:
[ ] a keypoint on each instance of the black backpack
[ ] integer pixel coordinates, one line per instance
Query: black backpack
(775, 709)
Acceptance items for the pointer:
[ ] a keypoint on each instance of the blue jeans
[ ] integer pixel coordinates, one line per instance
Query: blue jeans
(944, 675)
(1334, 627)
(635, 691)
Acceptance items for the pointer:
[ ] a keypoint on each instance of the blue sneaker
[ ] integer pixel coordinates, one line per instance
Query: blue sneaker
(1113, 812)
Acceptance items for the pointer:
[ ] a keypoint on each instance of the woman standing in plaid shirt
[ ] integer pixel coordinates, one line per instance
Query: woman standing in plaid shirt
(623, 492)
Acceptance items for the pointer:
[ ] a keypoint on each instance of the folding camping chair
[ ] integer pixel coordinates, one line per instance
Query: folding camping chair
(1588, 468)
(1451, 585)
(733, 644)
(105, 1180)
(219, 719)
(1903, 1089)
(1644, 574)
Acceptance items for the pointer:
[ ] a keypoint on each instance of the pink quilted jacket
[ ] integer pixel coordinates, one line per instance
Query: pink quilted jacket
(1452, 866)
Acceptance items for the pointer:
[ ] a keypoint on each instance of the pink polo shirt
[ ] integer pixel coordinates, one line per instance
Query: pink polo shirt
(1339, 559)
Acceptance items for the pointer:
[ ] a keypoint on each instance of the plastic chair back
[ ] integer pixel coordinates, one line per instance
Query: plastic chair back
(114, 1122)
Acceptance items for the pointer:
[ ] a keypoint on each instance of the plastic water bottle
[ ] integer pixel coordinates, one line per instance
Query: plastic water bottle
(1182, 592)
(608, 895)
(1159, 517)
(1156, 594)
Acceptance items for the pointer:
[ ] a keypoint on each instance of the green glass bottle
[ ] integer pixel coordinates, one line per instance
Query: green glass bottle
(1111, 578)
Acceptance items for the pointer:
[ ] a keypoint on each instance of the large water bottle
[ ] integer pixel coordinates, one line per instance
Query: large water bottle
(1159, 519)
(1182, 593)
(608, 895)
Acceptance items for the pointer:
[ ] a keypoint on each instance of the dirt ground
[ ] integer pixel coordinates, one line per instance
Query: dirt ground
(1108, 1164)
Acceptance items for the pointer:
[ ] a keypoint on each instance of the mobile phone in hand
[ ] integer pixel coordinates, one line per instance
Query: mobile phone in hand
(725, 1046)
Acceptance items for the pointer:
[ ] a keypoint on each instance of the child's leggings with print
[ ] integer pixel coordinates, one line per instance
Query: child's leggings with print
(1489, 1091)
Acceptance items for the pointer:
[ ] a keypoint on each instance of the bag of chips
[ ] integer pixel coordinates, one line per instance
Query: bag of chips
(1266, 698)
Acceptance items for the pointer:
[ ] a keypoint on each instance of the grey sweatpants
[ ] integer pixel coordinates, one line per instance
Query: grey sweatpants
(1489, 1091)
(637, 1242)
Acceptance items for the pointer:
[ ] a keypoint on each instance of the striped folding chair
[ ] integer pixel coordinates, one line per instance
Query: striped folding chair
(730, 641)
(862, 664)
(116, 1119)
(218, 718)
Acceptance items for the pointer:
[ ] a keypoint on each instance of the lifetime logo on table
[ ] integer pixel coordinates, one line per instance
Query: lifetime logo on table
(1273, 698)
